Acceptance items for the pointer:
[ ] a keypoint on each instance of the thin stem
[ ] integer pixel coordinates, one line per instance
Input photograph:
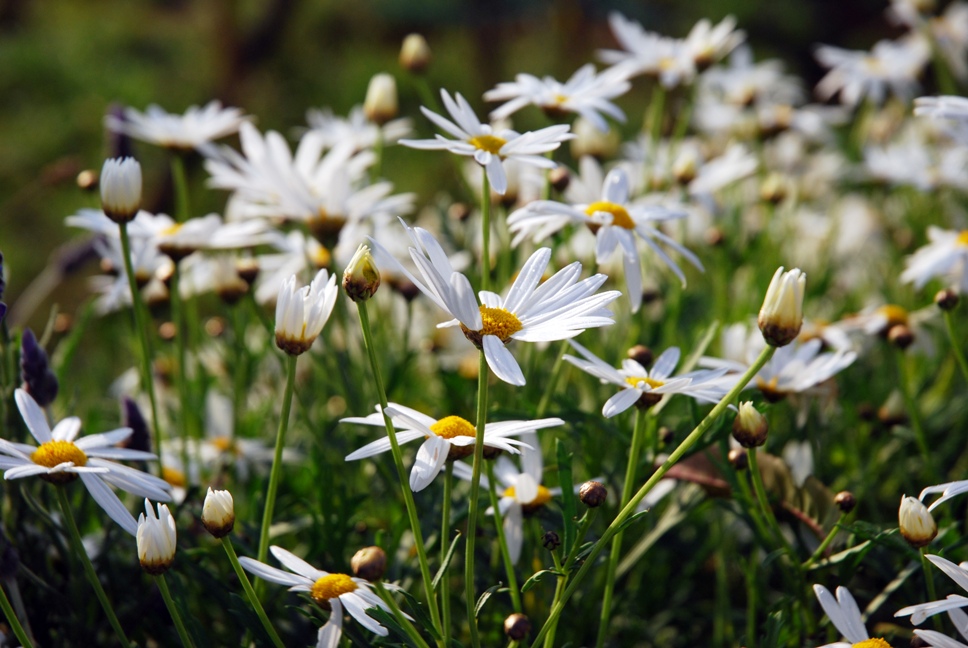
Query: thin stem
(485, 232)
(399, 616)
(822, 549)
(552, 381)
(638, 436)
(444, 545)
(914, 412)
(502, 540)
(77, 546)
(761, 499)
(276, 472)
(401, 472)
(559, 590)
(929, 583)
(482, 373)
(180, 375)
(250, 593)
(14, 622)
(173, 611)
(949, 325)
(180, 182)
(137, 309)
(676, 455)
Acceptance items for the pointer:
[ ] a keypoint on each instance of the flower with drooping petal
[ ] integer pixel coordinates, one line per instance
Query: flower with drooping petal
(62, 458)
(452, 437)
(845, 615)
(301, 314)
(336, 590)
(489, 147)
(157, 539)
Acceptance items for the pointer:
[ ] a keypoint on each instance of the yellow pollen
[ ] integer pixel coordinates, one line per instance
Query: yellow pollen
(174, 477)
(169, 231)
(872, 643)
(620, 216)
(560, 99)
(962, 238)
(453, 426)
(224, 444)
(542, 498)
(667, 63)
(332, 586)
(489, 143)
(651, 382)
(54, 453)
(894, 314)
(499, 322)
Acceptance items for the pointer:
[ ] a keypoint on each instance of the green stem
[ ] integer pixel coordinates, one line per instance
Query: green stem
(250, 593)
(401, 472)
(180, 375)
(14, 622)
(629, 508)
(482, 374)
(751, 571)
(914, 412)
(173, 611)
(485, 232)
(761, 499)
(949, 325)
(140, 325)
(180, 182)
(559, 591)
(399, 616)
(276, 472)
(822, 549)
(556, 370)
(929, 583)
(444, 544)
(502, 540)
(77, 545)
(638, 437)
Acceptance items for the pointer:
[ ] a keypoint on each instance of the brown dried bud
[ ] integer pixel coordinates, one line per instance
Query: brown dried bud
(592, 494)
(946, 299)
(641, 354)
(845, 501)
(900, 336)
(560, 178)
(517, 626)
(369, 563)
(550, 540)
(739, 459)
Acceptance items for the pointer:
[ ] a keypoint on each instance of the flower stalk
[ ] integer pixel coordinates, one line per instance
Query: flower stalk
(502, 541)
(186, 639)
(250, 593)
(473, 505)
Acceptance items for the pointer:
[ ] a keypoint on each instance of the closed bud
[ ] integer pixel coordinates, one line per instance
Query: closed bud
(781, 315)
(517, 627)
(550, 540)
(845, 501)
(738, 458)
(774, 189)
(361, 279)
(415, 53)
(641, 354)
(916, 522)
(157, 539)
(750, 426)
(121, 189)
(87, 180)
(218, 513)
(380, 105)
(39, 381)
(900, 336)
(369, 563)
(946, 299)
(560, 178)
(592, 494)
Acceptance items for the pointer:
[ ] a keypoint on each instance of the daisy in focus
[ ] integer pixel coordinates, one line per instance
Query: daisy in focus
(301, 314)
(603, 205)
(450, 438)
(646, 387)
(533, 310)
(197, 127)
(62, 457)
(333, 590)
(489, 147)
(946, 255)
(845, 615)
(585, 93)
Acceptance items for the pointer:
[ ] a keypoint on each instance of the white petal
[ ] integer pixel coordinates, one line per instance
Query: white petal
(33, 416)
(620, 402)
(430, 459)
(107, 500)
(501, 362)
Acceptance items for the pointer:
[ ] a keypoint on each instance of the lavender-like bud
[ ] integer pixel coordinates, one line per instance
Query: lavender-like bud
(140, 439)
(40, 382)
(3, 284)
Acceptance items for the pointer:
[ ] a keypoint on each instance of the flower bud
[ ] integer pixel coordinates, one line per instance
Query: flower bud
(157, 539)
(380, 105)
(550, 540)
(369, 563)
(301, 313)
(361, 277)
(218, 513)
(782, 313)
(248, 269)
(900, 336)
(87, 180)
(560, 178)
(592, 494)
(121, 189)
(738, 458)
(39, 381)
(845, 501)
(916, 523)
(517, 626)
(774, 189)
(641, 354)
(946, 299)
(415, 53)
(750, 426)
(140, 439)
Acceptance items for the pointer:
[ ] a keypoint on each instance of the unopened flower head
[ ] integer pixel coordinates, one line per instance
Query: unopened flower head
(121, 189)
(916, 522)
(301, 313)
(361, 279)
(218, 513)
(380, 105)
(415, 53)
(782, 313)
(157, 539)
(749, 426)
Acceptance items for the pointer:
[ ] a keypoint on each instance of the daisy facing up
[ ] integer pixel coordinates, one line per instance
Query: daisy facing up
(62, 458)
(450, 438)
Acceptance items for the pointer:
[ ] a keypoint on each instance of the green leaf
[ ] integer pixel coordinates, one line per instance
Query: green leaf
(484, 598)
(531, 582)
(420, 614)
(445, 563)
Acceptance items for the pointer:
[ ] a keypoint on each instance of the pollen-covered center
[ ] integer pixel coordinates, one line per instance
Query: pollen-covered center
(872, 643)
(651, 382)
(894, 315)
(490, 143)
(620, 215)
(542, 498)
(54, 453)
(962, 238)
(332, 586)
(499, 322)
(453, 426)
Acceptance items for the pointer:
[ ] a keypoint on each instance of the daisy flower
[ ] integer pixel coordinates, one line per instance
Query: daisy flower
(489, 147)
(890, 65)
(938, 640)
(709, 44)
(452, 437)
(355, 129)
(647, 387)
(335, 590)
(157, 539)
(946, 255)
(845, 615)
(301, 314)
(62, 458)
(198, 126)
(585, 93)
(922, 611)
(561, 307)
(668, 59)
(604, 206)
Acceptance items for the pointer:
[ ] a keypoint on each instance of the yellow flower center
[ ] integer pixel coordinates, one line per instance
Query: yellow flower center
(54, 453)
(651, 382)
(490, 143)
(453, 426)
(542, 498)
(225, 444)
(560, 98)
(872, 643)
(620, 215)
(174, 476)
(499, 322)
(332, 586)
(894, 314)
(962, 238)
(173, 229)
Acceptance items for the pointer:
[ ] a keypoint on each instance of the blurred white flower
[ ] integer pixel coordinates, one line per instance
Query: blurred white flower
(197, 127)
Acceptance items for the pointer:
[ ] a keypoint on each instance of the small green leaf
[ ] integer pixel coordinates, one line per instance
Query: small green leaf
(445, 563)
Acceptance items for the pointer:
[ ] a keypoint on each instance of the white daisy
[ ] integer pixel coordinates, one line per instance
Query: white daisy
(489, 147)
(301, 314)
(354, 129)
(890, 65)
(709, 44)
(668, 59)
(335, 590)
(452, 437)
(922, 611)
(938, 640)
(585, 93)
(157, 539)
(532, 311)
(604, 206)
(60, 459)
(646, 387)
(948, 491)
(946, 255)
(845, 615)
(198, 126)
